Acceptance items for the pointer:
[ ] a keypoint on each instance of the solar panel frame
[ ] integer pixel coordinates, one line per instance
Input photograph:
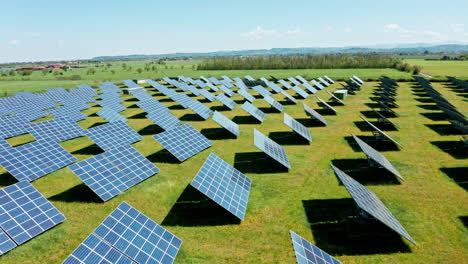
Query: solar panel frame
(314, 113)
(367, 201)
(271, 148)
(380, 132)
(325, 105)
(297, 127)
(253, 111)
(289, 97)
(223, 184)
(226, 123)
(335, 99)
(317, 84)
(308, 253)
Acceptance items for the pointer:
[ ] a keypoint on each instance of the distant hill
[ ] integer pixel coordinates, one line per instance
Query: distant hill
(406, 48)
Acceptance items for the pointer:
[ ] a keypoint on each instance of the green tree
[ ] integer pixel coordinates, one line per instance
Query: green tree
(91, 71)
(139, 70)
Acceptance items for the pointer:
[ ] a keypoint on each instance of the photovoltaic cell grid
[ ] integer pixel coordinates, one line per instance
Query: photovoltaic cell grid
(34, 160)
(300, 92)
(11, 126)
(182, 99)
(6, 243)
(297, 127)
(274, 87)
(67, 112)
(29, 112)
(314, 113)
(55, 130)
(228, 102)
(183, 141)
(202, 110)
(223, 184)
(165, 120)
(75, 103)
(274, 103)
(24, 214)
(226, 90)
(371, 204)
(285, 84)
(262, 91)
(325, 105)
(289, 97)
(114, 171)
(207, 95)
(294, 81)
(127, 236)
(309, 87)
(246, 95)
(377, 157)
(254, 111)
(376, 129)
(308, 253)
(227, 123)
(152, 105)
(111, 115)
(114, 105)
(323, 81)
(271, 148)
(317, 84)
(112, 135)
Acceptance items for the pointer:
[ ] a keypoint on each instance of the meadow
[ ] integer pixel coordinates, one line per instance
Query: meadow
(308, 199)
(440, 69)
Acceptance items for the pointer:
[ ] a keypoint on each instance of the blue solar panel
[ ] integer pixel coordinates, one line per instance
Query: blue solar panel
(274, 103)
(29, 112)
(300, 92)
(165, 120)
(308, 253)
(183, 141)
(254, 111)
(34, 160)
(11, 126)
(262, 91)
(271, 148)
(6, 243)
(114, 171)
(110, 103)
(246, 95)
(201, 109)
(314, 114)
(111, 115)
(223, 184)
(112, 135)
(55, 130)
(289, 97)
(132, 234)
(285, 84)
(226, 123)
(294, 81)
(207, 95)
(297, 127)
(182, 99)
(152, 105)
(226, 101)
(26, 213)
(226, 90)
(67, 112)
(317, 84)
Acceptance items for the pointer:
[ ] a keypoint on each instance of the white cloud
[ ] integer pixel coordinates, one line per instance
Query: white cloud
(409, 33)
(294, 32)
(14, 42)
(260, 33)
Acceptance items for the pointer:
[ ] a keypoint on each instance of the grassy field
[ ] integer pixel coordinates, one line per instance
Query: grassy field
(430, 204)
(437, 69)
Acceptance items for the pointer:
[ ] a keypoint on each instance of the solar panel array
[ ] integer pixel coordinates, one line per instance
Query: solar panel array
(165, 120)
(297, 127)
(152, 105)
(377, 157)
(11, 126)
(183, 141)
(112, 135)
(227, 123)
(114, 171)
(55, 130)
(371, 204)
(34, 160)
(308, 253)
(314, 113)
(111, 115)
(127, 236)
(223, 184)
(285, 84)
(271, 148)
(24, 214)
(254, 111)
(67, 112)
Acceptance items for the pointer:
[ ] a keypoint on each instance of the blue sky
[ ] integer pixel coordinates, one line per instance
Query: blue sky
(49, 29)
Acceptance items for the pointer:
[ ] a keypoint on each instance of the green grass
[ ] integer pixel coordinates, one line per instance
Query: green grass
(428, 204)
(439, 69)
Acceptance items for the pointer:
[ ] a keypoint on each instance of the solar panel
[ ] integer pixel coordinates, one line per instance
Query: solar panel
(55, 130)
(29, 112)
(297, 127)
(285, 84)
(308, 253)
(381, 119)
(326, 106)
(207, 95)
(24, 214)
(67, 112)
(201, 109)
(112, 104)
(228, 102)
(226, 90)
(182, 99)
(335, 99)
(127, 236)
(323, 81)
(111, 115)
(377, 157)
(254, 111)
(273, 86)
(152, 105)
(227, 123)
(371, 204)
(271, 148)
(274, 103)
(74, 102)
(114, 171)
(11, 126)
(358, 79)
(317, 84)
(329, 79)
(379, 133)
(289, 97)
(300, 92)
(112, 135)
(6, 243)
(262, 91)
(246, 95)
(183, 141)
(165, 120)
(225, 185)
(212, 87)
(314, 113)
(248, 77)
(34, 160)
(294, 81)
(310, 88)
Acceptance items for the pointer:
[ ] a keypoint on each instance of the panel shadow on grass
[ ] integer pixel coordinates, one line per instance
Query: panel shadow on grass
(257, 162)
(337, 230)
(310, 122)
(424, 100)
(431, 107)
(435, 116)
(150, 130)
(191, 117)
(97, 124)
(163, 156)
(378, 145)
(139, 115)
(165, 100)
(464, 220)
(288, 138)
(444, 129)
(93, 149)
(7, 179)
(325, 111)
(217, 133)
(360, 170)
(176, 107)
(369, 114)
(132, 99)
(458, 174)
(245, 120)
(133, 106)
(269, 110)
(455, 149)
(220, 108)
(193, 208)
(78, 194)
